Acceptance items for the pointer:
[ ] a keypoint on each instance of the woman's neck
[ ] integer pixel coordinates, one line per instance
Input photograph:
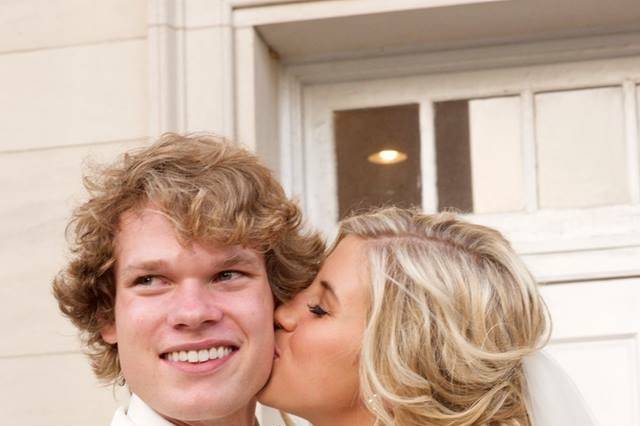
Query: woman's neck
(355, 416)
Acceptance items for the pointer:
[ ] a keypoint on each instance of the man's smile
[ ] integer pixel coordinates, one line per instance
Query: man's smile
(200, 355)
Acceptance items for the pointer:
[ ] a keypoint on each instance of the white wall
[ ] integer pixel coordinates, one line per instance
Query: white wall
(73, 82)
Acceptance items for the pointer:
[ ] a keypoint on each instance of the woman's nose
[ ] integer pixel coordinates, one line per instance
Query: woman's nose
(285, 316)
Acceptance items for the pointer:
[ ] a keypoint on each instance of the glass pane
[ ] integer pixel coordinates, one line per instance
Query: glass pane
(496, 155)
(359, 135)
(581, 148)
(479, 155)
(453, 156)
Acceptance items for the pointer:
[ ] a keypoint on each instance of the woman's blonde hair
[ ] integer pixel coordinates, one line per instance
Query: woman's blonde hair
(453, 312)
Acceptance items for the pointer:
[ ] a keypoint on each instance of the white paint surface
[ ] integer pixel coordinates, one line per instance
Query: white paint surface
(581, 148)
(496, 154)
(71, 96)
(40, 24)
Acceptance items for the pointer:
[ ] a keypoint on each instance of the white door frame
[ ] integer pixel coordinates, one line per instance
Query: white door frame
(598, 263)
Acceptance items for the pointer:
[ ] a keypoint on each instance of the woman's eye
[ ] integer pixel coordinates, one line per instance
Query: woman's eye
(317, 310)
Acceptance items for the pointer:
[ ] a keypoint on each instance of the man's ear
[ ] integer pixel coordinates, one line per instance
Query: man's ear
(109, 334)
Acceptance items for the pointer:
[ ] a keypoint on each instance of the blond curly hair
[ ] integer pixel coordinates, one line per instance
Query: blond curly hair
(453, 312)
(212, 191)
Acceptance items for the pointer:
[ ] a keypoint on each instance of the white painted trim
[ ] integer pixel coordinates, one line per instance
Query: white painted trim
(228, 61)
(287, 140)
(630, 93)
(529, 151)
(240, 4)
(168, 64)
(469, 59)
(534, 231)
(304, 11)
(245, 82)
(291, 140)
(166, 70)
(428, 170)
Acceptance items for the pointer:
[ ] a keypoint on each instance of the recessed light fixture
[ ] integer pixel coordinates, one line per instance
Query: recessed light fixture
(387, 156)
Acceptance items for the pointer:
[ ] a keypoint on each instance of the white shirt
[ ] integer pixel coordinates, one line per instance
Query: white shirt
(138, 414)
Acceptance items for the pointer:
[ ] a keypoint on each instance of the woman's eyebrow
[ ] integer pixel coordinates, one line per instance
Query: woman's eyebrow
(327, 286)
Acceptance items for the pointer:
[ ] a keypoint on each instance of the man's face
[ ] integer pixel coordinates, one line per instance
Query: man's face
(193, 324)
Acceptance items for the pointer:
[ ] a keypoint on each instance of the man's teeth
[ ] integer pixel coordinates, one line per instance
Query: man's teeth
(199, 356)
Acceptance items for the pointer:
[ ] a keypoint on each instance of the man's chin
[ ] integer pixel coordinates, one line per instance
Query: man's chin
(188, 410)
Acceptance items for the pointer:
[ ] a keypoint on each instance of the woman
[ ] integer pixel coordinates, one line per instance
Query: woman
(418, 320)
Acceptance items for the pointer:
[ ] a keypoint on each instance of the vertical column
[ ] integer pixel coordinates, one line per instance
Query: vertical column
(529, 152)
(167, 109)
(632, 136)
(191, 66)
(428, 164)
(245, 86)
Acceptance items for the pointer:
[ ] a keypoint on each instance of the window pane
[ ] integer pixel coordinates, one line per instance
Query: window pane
(581, 148)
(362, 132)
(453, 156)
(479, 155)
(496, 155)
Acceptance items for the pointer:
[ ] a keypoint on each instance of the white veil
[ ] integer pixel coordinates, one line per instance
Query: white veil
(553, 398)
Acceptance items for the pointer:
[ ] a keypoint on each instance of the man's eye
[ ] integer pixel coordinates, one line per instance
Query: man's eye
(317, 310)
(227, 275)
(145, 280)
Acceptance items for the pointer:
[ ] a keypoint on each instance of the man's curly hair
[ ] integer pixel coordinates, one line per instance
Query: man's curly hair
(213, 192)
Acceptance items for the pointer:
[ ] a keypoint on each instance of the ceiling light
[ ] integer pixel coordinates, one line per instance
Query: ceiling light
(387, 156)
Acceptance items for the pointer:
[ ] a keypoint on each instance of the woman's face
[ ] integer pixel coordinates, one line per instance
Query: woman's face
(315, 371)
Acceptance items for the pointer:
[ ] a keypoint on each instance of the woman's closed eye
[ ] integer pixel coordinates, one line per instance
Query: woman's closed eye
(317, 310)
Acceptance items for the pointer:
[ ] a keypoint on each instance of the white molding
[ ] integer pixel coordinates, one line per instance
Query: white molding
(582, 266)
(630, 94)
(275, 12)
(428, 170)
(228, 61)
(168, 63)
(166, 69)
(244, 42)
(529, 151)
(532, 231)
(291, 141)
(468, 59)
(240, 4)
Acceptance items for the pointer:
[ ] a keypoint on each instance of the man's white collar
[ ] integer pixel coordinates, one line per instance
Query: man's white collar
(138, 414)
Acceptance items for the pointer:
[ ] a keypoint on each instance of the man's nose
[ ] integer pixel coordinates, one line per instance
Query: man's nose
(193, 306)
(285, 316)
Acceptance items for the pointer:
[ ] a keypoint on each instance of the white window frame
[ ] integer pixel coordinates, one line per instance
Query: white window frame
(607, 236)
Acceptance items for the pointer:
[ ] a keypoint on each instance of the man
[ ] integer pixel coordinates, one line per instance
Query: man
(177, 257)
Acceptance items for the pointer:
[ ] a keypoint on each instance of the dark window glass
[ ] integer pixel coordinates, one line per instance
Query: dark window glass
(360, 133)
(453, 156)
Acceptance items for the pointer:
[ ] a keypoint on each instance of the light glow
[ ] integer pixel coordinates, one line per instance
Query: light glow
(387, 156)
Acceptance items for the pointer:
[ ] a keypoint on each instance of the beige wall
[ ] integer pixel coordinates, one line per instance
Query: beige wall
(73, 83)
(79, 78)
(83, 81)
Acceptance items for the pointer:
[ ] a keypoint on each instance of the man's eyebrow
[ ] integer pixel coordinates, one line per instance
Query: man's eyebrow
(327, 286)
(145, 265)
(240, 258)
